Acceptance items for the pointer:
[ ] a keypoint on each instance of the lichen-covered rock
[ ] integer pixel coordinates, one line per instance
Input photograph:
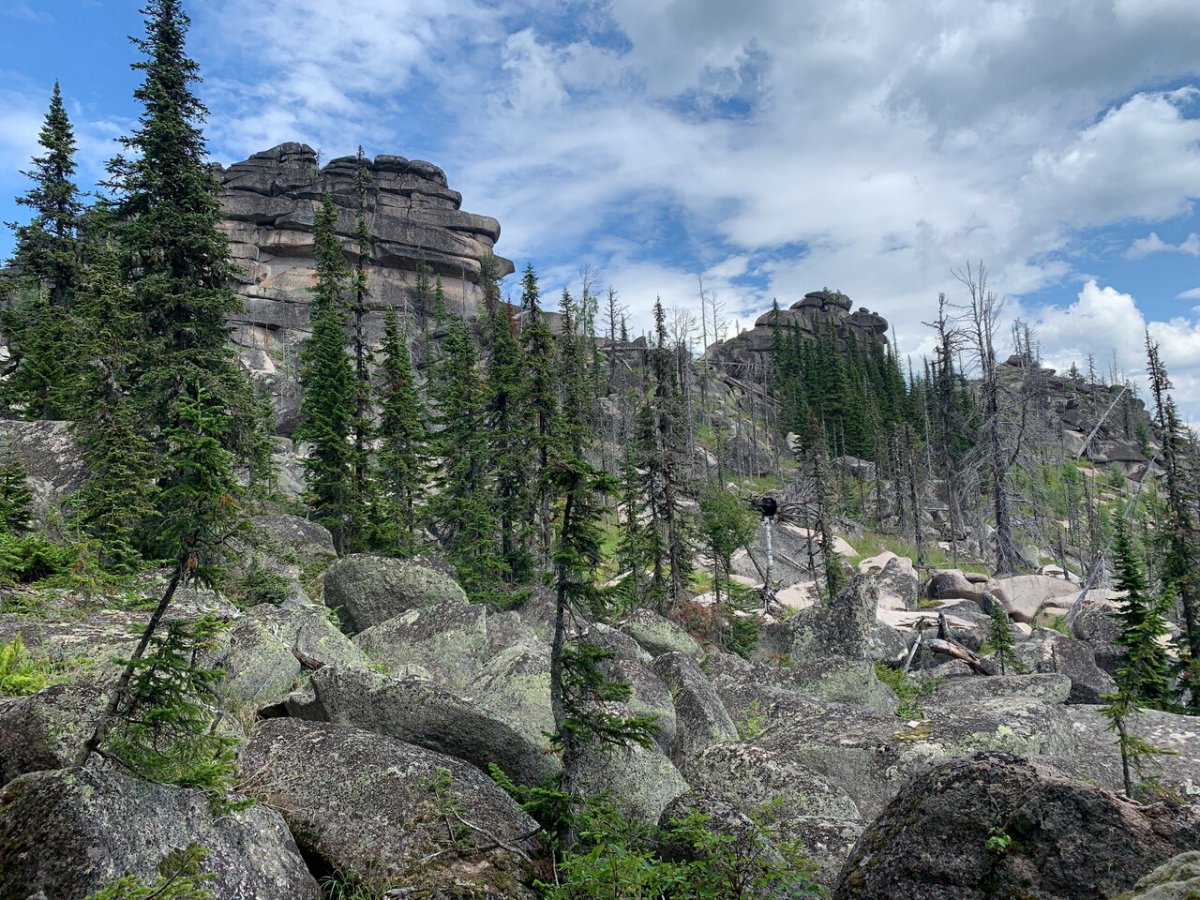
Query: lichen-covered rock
(1096, 757)
(640, 780)
(514, 687)
(994, 825)
(369, 590)
(293, 541)
(700, 716)
(308, 633)
(1048, 688)
(1049, 651)
(417, 712)
(390, 814)
(45, 730)
(649, 696)
(67, 833)
(618, 643)
(1176, 879)
(955, 584)
(826, 650)
(449, 640)
(52, 464)
(259, 668)
(1091, 619)
(658, 635)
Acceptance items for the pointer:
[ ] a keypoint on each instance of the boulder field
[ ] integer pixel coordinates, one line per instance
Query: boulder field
(369, 716)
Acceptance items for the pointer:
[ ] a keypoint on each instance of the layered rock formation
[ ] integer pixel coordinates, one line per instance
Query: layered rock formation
(818, 312)
(270, 203)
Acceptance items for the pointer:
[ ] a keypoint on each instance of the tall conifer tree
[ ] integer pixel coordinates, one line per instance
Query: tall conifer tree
(328, 386)
(404, 442)
(174, 256)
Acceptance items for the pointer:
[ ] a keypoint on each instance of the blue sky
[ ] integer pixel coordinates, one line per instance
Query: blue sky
(771, 146)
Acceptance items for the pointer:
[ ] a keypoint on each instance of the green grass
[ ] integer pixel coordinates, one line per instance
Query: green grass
(872, 543)
(910, 692)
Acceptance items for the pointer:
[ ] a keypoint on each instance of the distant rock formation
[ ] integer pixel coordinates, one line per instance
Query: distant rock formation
(270, 202)
(812, 315)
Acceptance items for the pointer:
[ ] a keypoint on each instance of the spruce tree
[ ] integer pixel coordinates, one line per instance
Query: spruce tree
(47, 250)
(115, 505)
(38, 329)
(16, 498)
(1181, 572)
(541, 398)
(1002, 640)
(174, 256)
(462, 508)
(403, 440)
(1145, 671)
(328, 387)
(510, 437)
(363, 501)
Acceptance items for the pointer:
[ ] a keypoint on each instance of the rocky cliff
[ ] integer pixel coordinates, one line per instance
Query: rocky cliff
(270, 202)
(818, 312)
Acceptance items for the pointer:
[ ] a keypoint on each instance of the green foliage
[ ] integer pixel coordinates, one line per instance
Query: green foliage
(1145, 671)
(685, 859)
(404, 441)
(546, 802)
(998, 842)
(16, 499)
(910, 692)
(181, 877)
(259, 585)
(1003, 640)
(327, 384)
(753, 723)
(30, 558)
(726, 524)
(199, 492)
(20, 673)
(168, 726)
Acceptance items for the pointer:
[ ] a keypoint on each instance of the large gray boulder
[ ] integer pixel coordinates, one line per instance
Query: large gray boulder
(418, 712)
(658, 635)
(309, 634)
(292, 541)
(1176, 879)
(640, 780)
(67, 833)
(52, 464)
(994, 825)
(1091, 619)
(1049, 651)
(826, 650)
(701, 719)
(259, 668)
(369, 590)
(389, 814)
(1097, 758)
(955, 584)
(449, 640)
(45, 730)
(1025, 595)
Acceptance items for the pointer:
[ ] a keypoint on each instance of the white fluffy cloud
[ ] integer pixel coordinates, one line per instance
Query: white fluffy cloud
(872, 146)
(1152, 243)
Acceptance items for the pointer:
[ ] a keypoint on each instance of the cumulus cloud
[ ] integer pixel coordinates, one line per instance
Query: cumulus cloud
(1108, 325)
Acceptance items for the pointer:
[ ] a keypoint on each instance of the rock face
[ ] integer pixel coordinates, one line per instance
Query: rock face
(269, 204)
(389, 813)
(67, 833)
(370, 590)
(817, 313)
(995, 825)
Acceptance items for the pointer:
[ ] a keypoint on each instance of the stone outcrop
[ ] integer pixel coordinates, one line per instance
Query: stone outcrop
(817, 313)
(994, 825)
(69, 832)
(391, 814)
(269, 204)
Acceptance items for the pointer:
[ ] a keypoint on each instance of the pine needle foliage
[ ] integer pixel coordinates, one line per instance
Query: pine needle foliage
(328, 386)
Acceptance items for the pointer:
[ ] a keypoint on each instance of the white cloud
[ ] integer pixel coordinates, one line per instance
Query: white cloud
(1193, 294)
(1152, 243)
(1108, 324)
